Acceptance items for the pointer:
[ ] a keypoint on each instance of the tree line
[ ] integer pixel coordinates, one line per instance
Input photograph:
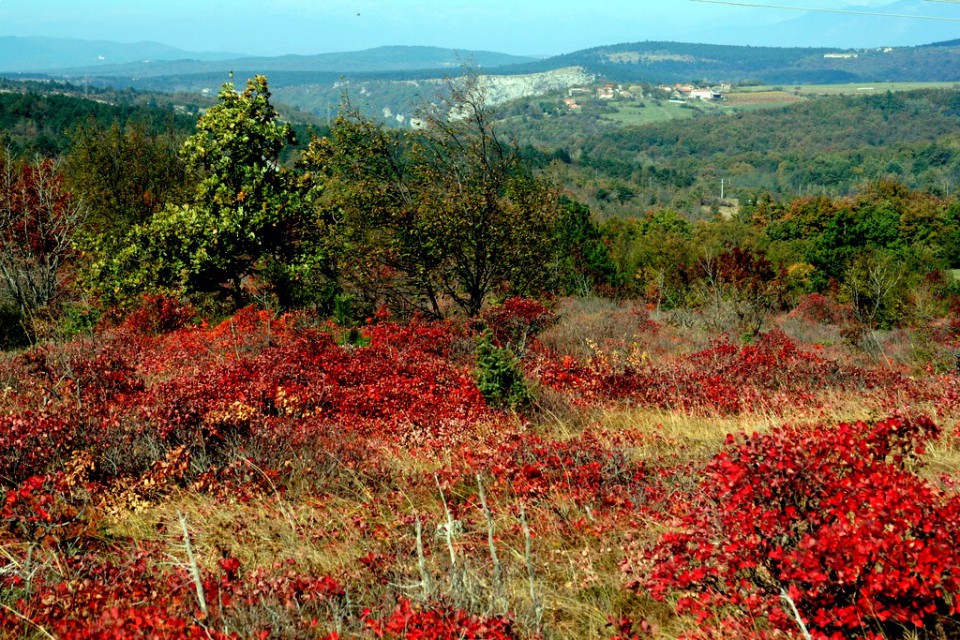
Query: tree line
(435, 221)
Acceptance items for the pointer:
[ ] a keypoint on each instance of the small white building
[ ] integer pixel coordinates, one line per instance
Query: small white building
(706, 95)
(607, 92)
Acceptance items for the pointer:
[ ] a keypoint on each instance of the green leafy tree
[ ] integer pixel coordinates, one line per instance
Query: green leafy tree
(242, 220)
(585, 263)
(448, 213)
(481, 214)
(357, 182)
(124, 174)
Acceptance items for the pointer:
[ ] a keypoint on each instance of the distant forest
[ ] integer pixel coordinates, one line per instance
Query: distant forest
(44, 117)
(817, 194)
(825, 146)
(670, 61)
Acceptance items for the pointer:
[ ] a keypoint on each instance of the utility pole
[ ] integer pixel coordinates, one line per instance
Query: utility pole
(721, 189)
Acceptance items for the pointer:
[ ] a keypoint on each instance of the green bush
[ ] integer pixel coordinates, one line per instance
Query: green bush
(500, 377)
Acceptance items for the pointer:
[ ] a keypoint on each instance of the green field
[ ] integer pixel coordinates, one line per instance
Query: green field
(760, 97)
(870, 87)
(632, 113)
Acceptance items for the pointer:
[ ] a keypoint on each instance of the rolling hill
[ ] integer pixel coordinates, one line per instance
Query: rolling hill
(21, 55)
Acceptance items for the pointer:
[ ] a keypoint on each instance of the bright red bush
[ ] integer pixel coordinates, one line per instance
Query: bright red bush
(832, 516)
(145, 597)
(159, 314)
(517, 321)
(440, 622)
(768, 375)
(584, 469)
(49, 510)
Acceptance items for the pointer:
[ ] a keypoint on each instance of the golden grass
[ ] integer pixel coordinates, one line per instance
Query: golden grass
(577, 570)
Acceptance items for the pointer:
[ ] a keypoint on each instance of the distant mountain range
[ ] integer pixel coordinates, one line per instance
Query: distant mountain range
(683, 62)
(46, 54)
(72, 58)
(391, 79)
(627, 62)
(845, 27)
(380, 59)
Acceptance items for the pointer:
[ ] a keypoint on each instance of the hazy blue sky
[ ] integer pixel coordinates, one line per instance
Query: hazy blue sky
(316, 26)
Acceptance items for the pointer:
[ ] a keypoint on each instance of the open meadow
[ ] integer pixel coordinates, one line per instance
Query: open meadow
(585, 470)
(405, 385)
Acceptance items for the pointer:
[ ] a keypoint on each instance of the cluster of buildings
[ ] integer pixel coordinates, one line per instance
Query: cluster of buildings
(690, 92)
(677, 92)
(603, 92)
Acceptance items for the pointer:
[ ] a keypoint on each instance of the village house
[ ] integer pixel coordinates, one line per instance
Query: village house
(607, 92)
(706, 95)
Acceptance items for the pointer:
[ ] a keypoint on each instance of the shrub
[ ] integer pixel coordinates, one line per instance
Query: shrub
(835, 518)
(499, 377)
(517, 321)
(438, 623)
(12, 332)
(159, 314)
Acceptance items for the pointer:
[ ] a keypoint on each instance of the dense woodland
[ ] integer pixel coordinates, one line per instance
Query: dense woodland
(262, 379)
(826, 146)
(878, 171)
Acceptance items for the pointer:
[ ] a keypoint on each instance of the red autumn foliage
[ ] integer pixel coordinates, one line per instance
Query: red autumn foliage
(159, 314)
(768, 375)
(517, 321)
(260, 407)
(38, 221)
(584, 469)
(817, 307)
(440, 622)
(50, 510)
(833, 517)
(138, 598)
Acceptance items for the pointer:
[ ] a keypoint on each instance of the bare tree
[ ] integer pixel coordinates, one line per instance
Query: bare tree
(38, 221)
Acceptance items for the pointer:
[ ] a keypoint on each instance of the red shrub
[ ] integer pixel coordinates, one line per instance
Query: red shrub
(158, 314)
(438, 623)
(32, 444)
(817, 307)
(831, 516)
(144, 597)
(517, 321)
(768, 375)
(584, 468)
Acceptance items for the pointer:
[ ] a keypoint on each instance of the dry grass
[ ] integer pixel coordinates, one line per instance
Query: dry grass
(577, 576)
(577, 580)
(328, 518)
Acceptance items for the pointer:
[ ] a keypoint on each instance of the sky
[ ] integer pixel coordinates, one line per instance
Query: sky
(525, 27)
